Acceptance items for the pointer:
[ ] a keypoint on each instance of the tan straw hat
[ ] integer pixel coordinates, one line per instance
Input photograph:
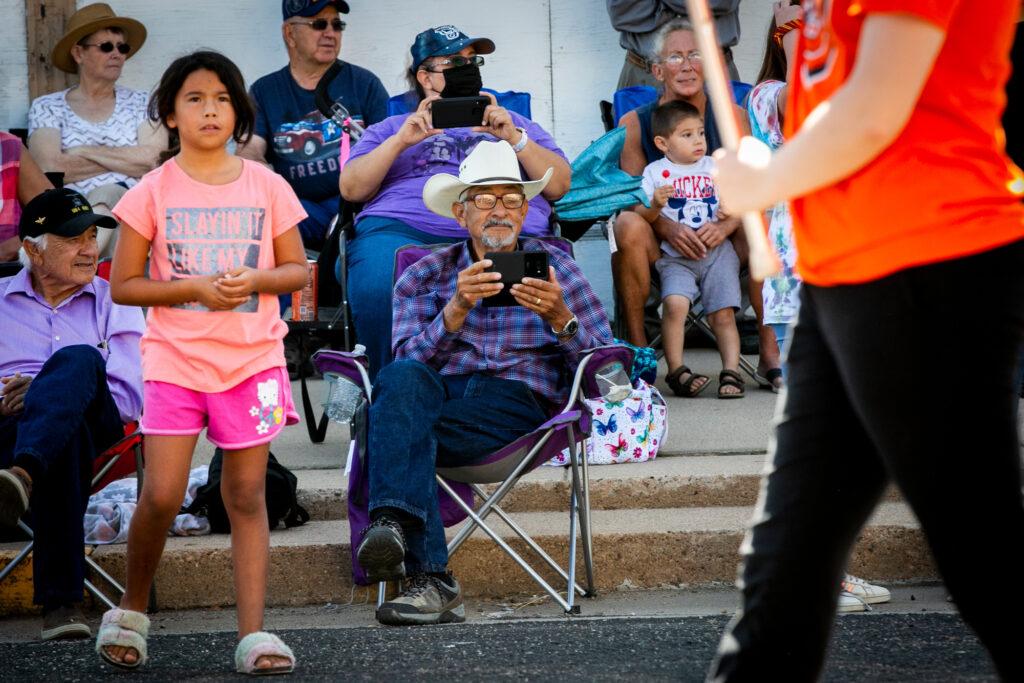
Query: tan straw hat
(90, 19)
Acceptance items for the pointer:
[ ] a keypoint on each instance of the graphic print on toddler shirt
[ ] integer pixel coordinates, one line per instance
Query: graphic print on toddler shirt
(211, 241)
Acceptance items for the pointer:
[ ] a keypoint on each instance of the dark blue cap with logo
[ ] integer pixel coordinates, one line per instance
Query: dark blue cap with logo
(445, 40)
(60, 212)
(307, 8)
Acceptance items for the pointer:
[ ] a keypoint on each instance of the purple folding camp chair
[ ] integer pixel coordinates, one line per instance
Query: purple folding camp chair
(567, 430)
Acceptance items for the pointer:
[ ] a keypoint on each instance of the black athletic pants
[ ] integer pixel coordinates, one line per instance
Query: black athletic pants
(909, 379)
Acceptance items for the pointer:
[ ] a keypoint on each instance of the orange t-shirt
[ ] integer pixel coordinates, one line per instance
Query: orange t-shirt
(945, 188)
(194, 230)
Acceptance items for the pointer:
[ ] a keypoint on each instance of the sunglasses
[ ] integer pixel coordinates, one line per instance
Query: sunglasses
(453, 61)
(123, 48)
(321, 24)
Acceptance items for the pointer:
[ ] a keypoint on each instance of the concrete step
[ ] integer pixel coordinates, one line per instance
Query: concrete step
(642, 548)
(667, 482)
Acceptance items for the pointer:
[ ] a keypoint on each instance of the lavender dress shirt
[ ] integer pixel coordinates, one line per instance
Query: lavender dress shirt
(33, 331)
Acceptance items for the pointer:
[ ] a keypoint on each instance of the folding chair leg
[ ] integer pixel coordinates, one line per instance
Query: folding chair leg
(588, 539)
(98, 594)
(17, 560)
(495, 497)
(527, 540)
(505, 546)
(571, 607)
(382, 589)
(104, 575)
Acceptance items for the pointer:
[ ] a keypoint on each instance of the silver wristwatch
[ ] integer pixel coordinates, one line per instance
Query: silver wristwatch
(569, 330)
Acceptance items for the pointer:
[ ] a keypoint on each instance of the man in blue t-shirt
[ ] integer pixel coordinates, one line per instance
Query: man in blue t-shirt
(291, 135)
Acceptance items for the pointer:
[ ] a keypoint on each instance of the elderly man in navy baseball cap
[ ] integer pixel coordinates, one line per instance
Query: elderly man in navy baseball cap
(291, 135)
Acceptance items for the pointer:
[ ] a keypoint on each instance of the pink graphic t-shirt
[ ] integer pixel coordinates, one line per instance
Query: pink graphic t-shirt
(196, 230)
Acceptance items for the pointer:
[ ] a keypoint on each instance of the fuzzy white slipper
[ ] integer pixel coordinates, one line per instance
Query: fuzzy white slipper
(123, 628)
(262, 644)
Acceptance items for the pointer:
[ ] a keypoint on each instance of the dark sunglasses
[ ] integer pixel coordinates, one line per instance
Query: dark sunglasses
(452, 62)
(321, 24)
(123, 48)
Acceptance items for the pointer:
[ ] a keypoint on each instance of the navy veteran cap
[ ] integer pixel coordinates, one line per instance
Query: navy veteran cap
(60, 212)
(445, 40)
(307, 8)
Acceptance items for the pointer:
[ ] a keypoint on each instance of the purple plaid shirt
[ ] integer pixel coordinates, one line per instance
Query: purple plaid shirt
(10, 160)
(511, 342)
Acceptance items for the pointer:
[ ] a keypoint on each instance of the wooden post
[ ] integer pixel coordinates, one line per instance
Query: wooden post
(44, 25)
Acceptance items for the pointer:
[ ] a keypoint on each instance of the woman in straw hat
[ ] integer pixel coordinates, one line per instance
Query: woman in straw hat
(97, 133)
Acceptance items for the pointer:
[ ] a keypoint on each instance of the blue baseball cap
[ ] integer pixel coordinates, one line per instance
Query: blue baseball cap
(307, 8)
(445, 40)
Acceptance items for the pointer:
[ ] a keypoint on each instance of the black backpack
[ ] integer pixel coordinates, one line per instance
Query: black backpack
(282, 504)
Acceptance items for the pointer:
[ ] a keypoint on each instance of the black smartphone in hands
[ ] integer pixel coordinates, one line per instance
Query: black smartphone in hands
(458, 112)
(514, 266)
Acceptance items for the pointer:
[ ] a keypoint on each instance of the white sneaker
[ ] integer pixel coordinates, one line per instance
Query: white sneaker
(868, 593)
(850, 603)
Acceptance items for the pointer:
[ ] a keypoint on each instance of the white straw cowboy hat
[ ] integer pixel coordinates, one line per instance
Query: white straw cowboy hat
(90, 19)
(490, 163)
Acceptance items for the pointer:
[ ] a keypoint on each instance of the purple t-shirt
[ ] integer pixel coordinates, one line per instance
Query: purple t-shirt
(401, 192)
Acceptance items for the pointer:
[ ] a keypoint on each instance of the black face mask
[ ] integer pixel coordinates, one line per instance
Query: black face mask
(462, 81)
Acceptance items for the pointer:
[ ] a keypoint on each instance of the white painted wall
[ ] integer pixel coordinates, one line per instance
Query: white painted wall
(563, 52)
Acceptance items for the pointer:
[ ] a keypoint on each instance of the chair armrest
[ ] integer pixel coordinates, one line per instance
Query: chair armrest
(350, 364)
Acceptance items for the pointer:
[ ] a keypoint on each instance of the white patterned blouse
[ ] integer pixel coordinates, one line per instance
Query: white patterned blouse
(121, 129)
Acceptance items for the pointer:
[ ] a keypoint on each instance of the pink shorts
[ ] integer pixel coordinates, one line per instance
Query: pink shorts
(248, 414)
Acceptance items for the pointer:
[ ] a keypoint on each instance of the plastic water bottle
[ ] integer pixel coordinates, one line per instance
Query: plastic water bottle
(343, 397)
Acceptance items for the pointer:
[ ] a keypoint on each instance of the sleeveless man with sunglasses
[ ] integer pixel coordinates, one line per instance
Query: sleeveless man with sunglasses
(291, 135)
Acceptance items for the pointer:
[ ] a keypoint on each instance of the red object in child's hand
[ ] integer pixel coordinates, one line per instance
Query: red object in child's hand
(665, 173)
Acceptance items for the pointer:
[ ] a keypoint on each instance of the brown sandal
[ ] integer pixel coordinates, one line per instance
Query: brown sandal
(731, 378)
(685, 388)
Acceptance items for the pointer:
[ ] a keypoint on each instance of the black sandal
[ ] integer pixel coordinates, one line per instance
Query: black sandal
(767, 380)
(685, 389)
(731, 378)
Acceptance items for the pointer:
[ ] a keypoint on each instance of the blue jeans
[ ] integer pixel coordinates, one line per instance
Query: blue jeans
(781, 331)
(419, 419)
(314, 227)
(371, 273)
(69, 417)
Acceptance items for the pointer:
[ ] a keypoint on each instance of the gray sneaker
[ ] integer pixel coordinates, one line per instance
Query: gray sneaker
(426, 600)
(64, 623)
(381, 553)
(14, 496)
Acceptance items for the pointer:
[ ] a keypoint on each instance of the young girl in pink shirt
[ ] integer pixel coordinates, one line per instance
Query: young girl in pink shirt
(220, 235)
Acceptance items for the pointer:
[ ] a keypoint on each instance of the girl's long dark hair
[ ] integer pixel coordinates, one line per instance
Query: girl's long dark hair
(773, 68)
(161, 104)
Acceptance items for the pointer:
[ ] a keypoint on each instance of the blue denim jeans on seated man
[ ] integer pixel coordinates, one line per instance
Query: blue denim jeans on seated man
(371, 274)
(420, 418)
(69, 417)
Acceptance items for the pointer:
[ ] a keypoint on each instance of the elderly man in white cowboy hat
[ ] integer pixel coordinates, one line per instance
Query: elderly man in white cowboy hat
(468, 377)
(96, 132)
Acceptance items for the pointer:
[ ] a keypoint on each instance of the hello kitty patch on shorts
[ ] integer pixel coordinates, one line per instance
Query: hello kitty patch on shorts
(269, 411)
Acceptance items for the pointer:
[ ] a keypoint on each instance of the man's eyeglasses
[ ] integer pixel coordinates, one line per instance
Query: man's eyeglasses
(452, 62)
(676, 59)
(322, 24)
(486, 201)
(123, 48)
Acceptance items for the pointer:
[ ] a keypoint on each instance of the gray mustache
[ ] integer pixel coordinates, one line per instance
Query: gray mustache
(498, 222)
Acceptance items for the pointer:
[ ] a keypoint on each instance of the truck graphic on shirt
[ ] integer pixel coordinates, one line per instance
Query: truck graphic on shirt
(308, 138)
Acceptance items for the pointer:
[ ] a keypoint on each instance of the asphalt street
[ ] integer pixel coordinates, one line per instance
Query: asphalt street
(865, 647)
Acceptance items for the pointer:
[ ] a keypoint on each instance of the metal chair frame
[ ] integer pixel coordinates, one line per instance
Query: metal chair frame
(116, 452)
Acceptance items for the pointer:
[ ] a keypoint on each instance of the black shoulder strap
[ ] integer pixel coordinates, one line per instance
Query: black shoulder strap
(320, 96)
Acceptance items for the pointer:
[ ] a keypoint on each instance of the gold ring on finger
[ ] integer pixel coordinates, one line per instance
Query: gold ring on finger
(537, 301)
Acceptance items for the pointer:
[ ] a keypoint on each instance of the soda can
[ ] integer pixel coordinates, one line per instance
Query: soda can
(304, 302)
